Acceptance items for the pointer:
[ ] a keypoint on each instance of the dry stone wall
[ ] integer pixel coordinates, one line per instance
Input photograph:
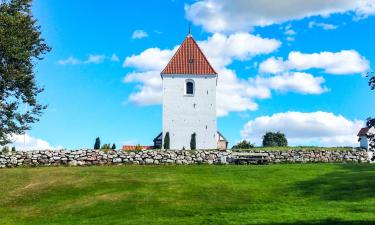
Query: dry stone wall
(156, 157)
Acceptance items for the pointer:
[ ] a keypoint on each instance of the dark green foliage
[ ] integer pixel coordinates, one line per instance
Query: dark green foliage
(166, 141)
(106, 146)
(13, 149)
(21, 46)
(243, 145)
(193, 141)
(271, 139)
(97, 143)
(5, 150)
(113, 147)
(371, 121)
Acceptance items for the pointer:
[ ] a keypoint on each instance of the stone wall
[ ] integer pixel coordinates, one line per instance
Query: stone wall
(96, 157)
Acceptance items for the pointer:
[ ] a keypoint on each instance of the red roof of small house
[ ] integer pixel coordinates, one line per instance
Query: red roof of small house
(135, 147)
(189, 59)
(363, 131)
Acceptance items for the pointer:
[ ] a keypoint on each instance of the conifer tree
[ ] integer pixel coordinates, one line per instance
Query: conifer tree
(97, 143)
(166, 141)
(193, 141)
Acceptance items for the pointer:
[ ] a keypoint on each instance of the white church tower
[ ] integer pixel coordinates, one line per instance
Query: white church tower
(189, 99)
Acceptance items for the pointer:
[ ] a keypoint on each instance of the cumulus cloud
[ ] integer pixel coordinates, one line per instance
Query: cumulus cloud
(314, 128)
(221, 50)
(234, 94)
(298, 82)
(340, 63)
(241, 15)
(139, 34)
(28, 143)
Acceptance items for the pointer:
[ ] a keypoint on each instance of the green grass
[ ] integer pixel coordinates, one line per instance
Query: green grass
(303, 148)
(274, 194)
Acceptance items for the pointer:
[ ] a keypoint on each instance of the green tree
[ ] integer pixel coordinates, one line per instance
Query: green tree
(97, 143)
(5, 150)
(21, 45)
(193, 141)
(166, 141)
(113, 147)
(271, 139)
(371, 121)
(13, 149)
(243, 145)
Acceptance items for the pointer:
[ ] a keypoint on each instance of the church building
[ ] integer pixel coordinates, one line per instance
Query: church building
(189, 101)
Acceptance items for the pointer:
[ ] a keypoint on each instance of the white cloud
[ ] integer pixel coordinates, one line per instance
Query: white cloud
(150, 59)
(315, 128)
(324, 26)
(95, 59)
(340, 63)
(221, 50)
(91, 59)
(139, 34)
(69, 61)
(302, 83)
(115, 58)
(241, 15)
(28, 143)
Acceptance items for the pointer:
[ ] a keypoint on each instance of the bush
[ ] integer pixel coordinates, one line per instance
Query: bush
(243, 145)
(113, 147)
(5, 150)
(193, 141)
(166, 141)
(271, 139)
(13, 149)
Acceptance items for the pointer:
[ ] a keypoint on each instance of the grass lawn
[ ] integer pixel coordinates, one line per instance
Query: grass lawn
(273, 194)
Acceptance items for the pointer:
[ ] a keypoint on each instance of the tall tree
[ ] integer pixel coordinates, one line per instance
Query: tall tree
(166, 141)
(21, 45)
(97, 143)
(193, 141)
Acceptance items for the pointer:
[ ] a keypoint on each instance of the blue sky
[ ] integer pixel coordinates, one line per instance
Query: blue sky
(101, 78)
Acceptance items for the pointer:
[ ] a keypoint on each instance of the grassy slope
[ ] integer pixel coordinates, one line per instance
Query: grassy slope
(274, 194)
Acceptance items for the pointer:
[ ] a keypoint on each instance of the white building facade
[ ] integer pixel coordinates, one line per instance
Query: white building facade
(189, 99)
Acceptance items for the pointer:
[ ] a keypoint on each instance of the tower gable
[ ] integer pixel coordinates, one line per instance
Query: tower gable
(189, 59)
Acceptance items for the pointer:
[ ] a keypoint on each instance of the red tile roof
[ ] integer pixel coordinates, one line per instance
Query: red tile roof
(189, 59)
(363, 131)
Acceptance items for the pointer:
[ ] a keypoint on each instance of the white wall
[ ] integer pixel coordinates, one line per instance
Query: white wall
(184, 115)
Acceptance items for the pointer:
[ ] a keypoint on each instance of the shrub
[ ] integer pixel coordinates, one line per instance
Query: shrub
(113, 147)
(271, 139)
(193, 141)
(243, 145)
(97, 143)
(5, 150)
(13, 149)
(166, 141)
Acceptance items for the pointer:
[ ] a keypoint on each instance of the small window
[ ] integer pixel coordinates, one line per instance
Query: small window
(189, 88)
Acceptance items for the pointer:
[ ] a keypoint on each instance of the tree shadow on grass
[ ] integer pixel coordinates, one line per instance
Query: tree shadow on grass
(350, 182)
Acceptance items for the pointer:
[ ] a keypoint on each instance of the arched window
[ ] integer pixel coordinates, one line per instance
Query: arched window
(189, 87)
